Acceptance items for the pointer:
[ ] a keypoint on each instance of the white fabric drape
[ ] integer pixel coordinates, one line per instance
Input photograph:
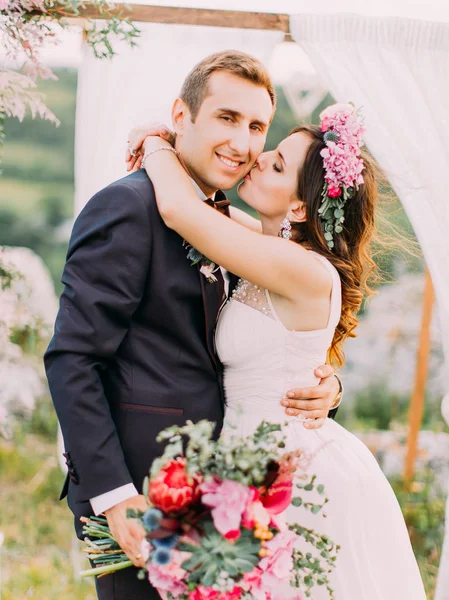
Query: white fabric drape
(398, 71)
(139, 86)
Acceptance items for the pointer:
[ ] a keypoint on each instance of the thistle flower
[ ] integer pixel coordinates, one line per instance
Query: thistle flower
(168, 543)
(162, 557)
(151, 519)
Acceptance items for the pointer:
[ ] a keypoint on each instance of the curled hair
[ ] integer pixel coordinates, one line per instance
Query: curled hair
(351, 255)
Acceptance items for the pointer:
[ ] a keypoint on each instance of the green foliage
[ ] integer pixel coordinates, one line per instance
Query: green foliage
(214, 554)
(37, 187)
(375, 407)
(423, 506)
(43, 421)
(38, 528)
(61, 98)
(7, 274)
(98, 35)
(311, 570)
(245, 460)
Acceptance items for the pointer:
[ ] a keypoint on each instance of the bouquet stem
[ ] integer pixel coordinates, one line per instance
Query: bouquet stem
(102, 549)
(107, 569)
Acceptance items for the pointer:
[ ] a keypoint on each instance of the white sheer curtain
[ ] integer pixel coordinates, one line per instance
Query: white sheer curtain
(139, 86)
(397, 69)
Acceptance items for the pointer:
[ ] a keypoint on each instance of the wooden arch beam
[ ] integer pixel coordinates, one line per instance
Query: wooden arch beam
(172, 15)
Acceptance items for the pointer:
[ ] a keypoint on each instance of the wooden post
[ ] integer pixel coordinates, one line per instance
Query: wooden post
(416, 410)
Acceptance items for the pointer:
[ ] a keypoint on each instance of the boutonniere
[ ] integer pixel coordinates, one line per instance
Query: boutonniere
(207, 267)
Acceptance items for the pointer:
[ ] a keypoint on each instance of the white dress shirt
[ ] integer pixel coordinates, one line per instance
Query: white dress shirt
(109, 499)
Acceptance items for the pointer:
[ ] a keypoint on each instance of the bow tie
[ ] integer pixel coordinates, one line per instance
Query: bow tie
(220, 203)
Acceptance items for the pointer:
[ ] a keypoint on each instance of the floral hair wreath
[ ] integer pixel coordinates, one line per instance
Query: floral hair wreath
(343, 130)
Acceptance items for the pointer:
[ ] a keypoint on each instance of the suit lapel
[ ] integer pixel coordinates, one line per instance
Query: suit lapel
(213, 296)
(233, 279)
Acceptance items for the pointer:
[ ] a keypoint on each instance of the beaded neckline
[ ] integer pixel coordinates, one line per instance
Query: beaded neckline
(253, 296)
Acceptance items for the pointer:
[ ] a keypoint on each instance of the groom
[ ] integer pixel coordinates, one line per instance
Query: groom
(133, 349)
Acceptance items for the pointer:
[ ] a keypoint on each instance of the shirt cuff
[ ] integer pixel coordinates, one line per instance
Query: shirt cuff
(109, 499)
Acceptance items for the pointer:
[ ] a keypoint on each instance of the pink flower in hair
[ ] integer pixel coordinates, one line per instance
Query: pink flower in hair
(343, 133)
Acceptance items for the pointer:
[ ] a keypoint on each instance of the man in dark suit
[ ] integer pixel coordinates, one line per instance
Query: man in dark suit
(133, 348)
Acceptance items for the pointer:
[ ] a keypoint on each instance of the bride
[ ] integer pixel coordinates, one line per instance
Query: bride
(301, 285)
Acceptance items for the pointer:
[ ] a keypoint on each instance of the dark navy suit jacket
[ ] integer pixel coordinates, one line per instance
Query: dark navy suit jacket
(132, 351)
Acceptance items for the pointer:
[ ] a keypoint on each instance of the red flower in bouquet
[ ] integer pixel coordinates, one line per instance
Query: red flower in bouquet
(279, 495)
(173, 489)
(276, 495)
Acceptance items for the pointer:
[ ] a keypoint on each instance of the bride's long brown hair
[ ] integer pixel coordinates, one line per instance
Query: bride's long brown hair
(351, 255)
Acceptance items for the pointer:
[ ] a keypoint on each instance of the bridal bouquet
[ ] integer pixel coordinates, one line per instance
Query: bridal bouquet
(213, 527)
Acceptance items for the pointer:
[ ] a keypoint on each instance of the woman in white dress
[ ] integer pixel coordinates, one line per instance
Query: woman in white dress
(302, 283)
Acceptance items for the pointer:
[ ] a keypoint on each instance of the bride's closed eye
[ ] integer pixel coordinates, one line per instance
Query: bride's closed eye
(276, 168)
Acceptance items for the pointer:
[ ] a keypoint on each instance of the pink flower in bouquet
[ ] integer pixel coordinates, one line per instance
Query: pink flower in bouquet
(173, 489)
(228, 501)
(255, 512)
(277, 567)
(234, 594)
(204, 593)
(252, 582)
(169, 579)
(280, 562)
(145, 549)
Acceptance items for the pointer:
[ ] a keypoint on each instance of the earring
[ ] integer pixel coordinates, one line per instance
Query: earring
(286, 230)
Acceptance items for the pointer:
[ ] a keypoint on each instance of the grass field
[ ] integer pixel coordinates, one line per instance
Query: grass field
(38, 529)
(25, 197)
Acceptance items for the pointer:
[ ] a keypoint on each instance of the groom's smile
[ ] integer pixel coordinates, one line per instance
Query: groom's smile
(232, 164)
(221, 144)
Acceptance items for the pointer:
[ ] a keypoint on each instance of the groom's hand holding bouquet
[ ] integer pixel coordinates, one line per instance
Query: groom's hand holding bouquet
(128, 533)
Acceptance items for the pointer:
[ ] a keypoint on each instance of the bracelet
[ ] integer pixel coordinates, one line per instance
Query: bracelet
(147, 154)
(339, 396)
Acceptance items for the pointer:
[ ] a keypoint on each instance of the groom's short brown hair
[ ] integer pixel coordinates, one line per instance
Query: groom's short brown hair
(195, 87)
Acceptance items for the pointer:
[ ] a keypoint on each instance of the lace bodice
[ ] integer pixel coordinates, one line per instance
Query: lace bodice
(263, 359)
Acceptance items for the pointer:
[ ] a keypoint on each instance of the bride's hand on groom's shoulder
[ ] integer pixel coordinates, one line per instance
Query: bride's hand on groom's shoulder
(136, 139)
(315, 402)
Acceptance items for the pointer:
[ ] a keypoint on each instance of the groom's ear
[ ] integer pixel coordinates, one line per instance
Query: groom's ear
(179, 114)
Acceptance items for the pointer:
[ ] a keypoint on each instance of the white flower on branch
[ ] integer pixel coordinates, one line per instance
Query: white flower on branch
(17, 93)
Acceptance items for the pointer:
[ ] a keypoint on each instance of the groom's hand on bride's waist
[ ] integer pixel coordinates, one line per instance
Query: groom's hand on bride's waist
(128, 533)
(314, 403)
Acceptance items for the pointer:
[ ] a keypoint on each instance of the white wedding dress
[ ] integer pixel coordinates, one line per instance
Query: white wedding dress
(262, 360)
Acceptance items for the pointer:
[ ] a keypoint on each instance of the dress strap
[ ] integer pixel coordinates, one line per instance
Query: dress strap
(335, 308)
